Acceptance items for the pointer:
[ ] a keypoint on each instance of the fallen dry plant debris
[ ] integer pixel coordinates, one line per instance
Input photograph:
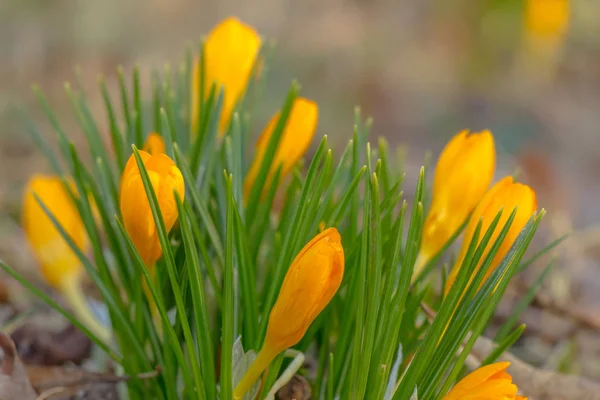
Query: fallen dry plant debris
(14, 383)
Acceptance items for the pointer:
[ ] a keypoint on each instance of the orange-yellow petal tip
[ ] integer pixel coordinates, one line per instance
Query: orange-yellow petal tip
(506, 195)
(310, 283)
(137, 216)
(295, 141)
(463, 173)
(490, 382)
(56, 258)
(155, 144)
(230, 52)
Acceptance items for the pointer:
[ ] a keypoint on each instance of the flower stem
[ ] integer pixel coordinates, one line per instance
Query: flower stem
(422, 260)
(260, 363)
(71, 289)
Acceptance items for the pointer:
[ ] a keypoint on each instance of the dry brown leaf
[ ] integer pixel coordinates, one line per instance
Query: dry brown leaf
(14, 384)
(297, 388)
(46, 347)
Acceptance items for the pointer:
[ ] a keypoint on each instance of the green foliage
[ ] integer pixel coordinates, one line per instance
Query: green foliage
(224, 263)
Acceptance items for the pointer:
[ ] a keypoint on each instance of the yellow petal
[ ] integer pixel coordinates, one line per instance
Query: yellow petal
(295, 141)
(547, 18)
(505, 195)
(154, 144)
(309, 285)
(135, 208)
(230, 51)
(463, 173)
(490, 382)
(56, 258)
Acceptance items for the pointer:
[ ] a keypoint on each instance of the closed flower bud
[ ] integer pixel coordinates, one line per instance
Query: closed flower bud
(462, 175)
(154, 144)
(547, 19)
(230, 52)
(56, 259)
(135, 208)
(490, 382)
(506, 195)
(295, 141)
(309, 285)
(60, 266)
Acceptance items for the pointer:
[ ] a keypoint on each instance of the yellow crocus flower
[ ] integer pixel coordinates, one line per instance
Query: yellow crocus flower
(230, 52)
(547, 20)
(462, 175)
(506, 195)
(309, 285)
(295, 141)
(56, 258)
(137, 216)
(545, 28)
(490, 382)
(59, 265)
(155, 144)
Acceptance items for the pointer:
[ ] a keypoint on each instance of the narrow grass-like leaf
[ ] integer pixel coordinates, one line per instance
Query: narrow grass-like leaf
(63, 141)
(41, 142)
(107, 295)
(373, 275)
(360, 293)
(433, 261)
(533, 289)
(167, 133)
(137, 108)
(228, 298)
(200, 317)
(125, 106)
(292, 239)
(116, 136)
(172, 345)
(171, 269)
(72, 319)
(545, 250)
(504, 345)
(200, 205)
(269, 155)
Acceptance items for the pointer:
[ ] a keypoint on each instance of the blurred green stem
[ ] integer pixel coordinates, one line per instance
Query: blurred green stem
(71, 289)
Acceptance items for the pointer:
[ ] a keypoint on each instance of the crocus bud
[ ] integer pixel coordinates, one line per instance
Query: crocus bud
(309, 285)
(463, 173)
(506, 195)
(135, 208)
(547, 20)
(56, 259)
(230, 51)
(295, 140)
(490, 382)
(154, 144)
(60, 266)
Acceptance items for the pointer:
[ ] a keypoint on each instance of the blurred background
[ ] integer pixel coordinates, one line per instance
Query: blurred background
(528, 70)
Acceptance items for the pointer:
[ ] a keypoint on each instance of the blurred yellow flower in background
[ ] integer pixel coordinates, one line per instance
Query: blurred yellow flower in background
(309, 285)
(60, 266)
(295, 141)
(545, 29)
(490, 382)
(462, 175)
(230, 52)
(154, 144)
(506, 195)
(137, 216)
(547, 19)
(56, 258)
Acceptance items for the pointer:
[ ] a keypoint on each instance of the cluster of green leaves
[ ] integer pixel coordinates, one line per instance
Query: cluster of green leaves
(223, 265)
